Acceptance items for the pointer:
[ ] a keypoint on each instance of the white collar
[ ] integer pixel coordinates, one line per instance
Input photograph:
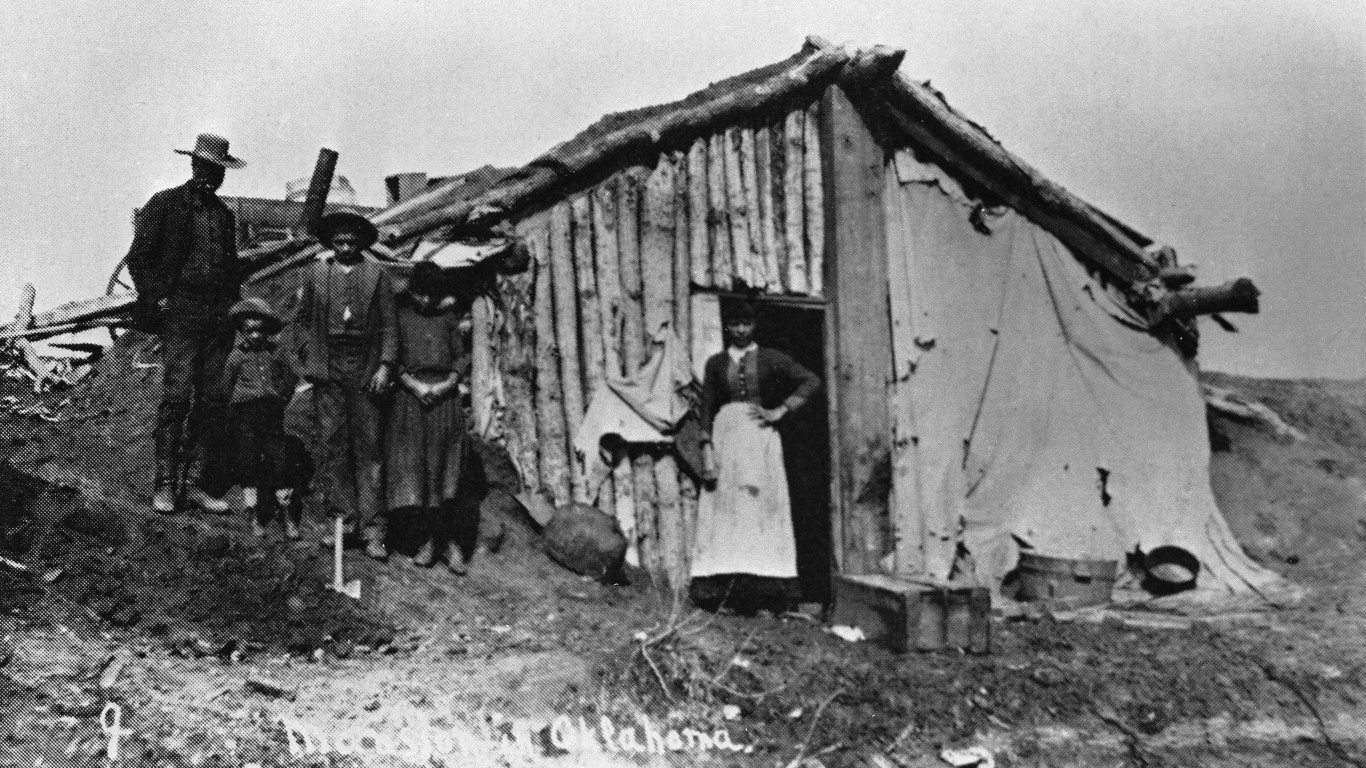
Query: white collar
(737, 353)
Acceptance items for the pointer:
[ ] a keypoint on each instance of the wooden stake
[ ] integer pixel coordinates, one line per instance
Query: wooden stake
(718, 214)
(553, 443)
(794, 201)
(763, 188)
(22, 320)
(697, 215)
(815, 206)
(567, 334)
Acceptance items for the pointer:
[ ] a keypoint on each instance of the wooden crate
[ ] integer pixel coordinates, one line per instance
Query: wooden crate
(906, 615)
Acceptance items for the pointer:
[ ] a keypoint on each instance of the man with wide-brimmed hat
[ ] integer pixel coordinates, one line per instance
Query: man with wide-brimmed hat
(184, 264)
(347, 333)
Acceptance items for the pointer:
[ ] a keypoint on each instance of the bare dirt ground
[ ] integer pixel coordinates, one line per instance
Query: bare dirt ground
(212, 648)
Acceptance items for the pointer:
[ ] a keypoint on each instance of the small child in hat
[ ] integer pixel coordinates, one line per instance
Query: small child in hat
(261, 377)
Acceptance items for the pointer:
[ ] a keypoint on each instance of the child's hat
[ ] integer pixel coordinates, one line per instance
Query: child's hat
(256, 307)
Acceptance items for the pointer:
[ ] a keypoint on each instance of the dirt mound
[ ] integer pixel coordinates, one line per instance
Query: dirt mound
(1297, 505)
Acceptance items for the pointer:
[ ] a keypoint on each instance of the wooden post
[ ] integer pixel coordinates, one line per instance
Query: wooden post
(608, 262)
(742, 248)
(22, 320)
(567, 334)
(718, 213)
(590, 309)
(794, 201)
(634, 352)
(682, 277)
(590, 318)
(318, 187)
(815, 209)
(657, 254)
(481, 365)
(763, 188)
(697, 215)
(517, 363)
(657, 247)
(856, 238)
(554, 457)
(628, 249)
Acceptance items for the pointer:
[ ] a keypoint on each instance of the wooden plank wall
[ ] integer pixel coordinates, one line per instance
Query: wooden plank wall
(738, 210)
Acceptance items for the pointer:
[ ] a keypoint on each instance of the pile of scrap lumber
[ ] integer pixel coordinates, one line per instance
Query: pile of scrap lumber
(23, 359)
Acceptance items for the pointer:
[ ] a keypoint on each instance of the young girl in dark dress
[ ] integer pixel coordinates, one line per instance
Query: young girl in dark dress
(427, 440)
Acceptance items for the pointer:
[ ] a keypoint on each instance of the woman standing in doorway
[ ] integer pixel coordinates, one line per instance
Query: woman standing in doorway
(744, 552)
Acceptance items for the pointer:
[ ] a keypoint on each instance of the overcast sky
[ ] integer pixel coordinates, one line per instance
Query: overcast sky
(1233, 130)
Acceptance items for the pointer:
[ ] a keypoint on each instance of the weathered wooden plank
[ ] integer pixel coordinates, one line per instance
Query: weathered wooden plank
(857, 242)
(682, 271)
(698, 256)
(515, 356)
(749, 180)
(567, 334)
(482, 372)
(628, 250)
(657, 246)
(906, 523)
(815, 188)
(718, 214)
(550, 425)
(607, 264)
(669, 514)
(763, 188)
(594, 365)
(606, 249)
(590, 309)
(794, 200)
(741, 247)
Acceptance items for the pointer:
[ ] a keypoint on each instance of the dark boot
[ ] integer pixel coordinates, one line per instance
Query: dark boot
(426, 554)
(455, 559)
(168, 438)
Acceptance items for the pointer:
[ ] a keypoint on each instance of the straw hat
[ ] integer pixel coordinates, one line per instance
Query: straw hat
(215, 150)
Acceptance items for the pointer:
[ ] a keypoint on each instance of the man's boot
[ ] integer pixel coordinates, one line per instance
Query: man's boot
(455, 559)
(375, 534)
(167, 438)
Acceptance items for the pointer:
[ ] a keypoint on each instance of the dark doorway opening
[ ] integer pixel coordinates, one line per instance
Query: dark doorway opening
(799, 330)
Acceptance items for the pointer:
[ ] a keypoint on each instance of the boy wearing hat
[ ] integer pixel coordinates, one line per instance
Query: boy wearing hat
(184, 263)
(260, 376)
(348, 349)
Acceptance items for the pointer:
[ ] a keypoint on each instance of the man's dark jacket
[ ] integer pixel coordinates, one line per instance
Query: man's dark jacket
(162, 238)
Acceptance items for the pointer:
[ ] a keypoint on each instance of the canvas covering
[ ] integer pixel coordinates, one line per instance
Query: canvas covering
(1030, 404)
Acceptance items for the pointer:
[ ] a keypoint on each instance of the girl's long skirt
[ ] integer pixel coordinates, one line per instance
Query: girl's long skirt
(425, 450)
(744, 525)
